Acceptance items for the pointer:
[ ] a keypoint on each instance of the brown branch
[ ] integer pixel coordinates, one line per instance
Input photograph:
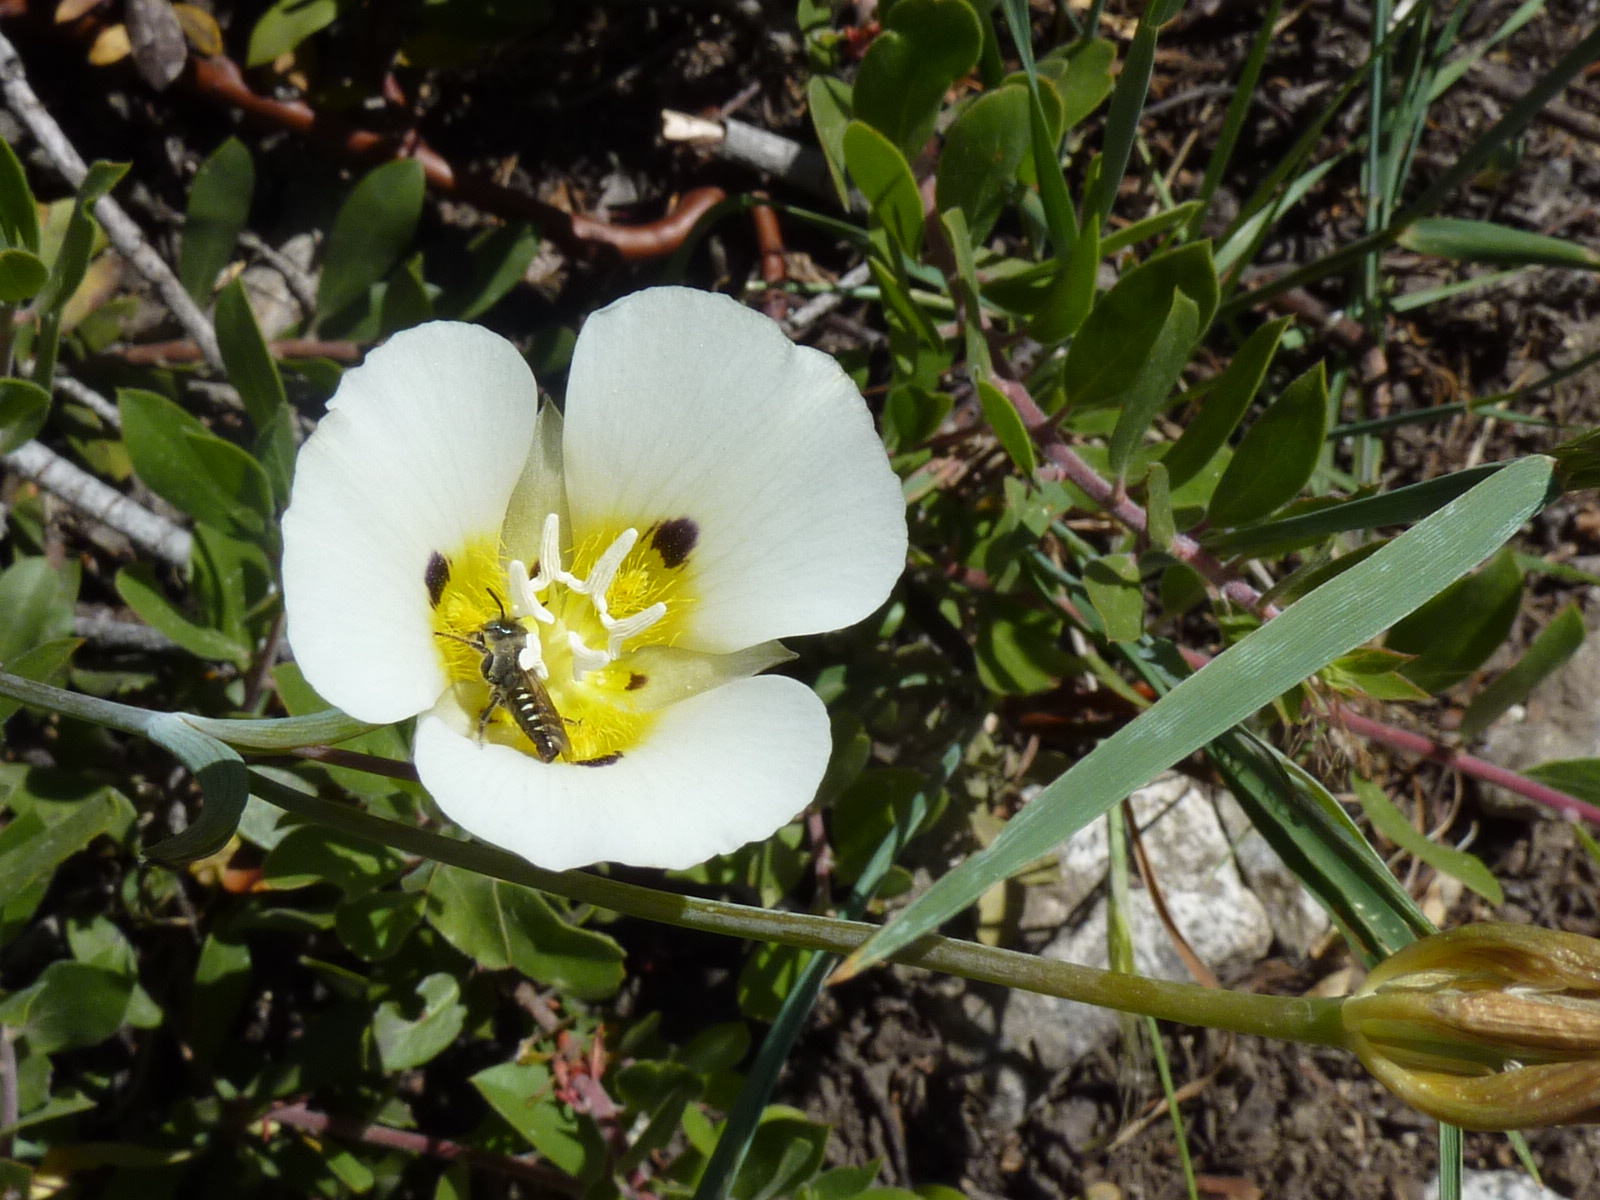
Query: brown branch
(220, 79)
(319, 1124)
(161, 354)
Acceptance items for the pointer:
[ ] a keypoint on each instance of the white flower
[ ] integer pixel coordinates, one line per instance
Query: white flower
(576, 608)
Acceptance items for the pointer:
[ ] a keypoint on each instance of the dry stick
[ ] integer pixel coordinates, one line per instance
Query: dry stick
(89, 398)
(159, 354)
(87, 494)
(319, 1124)
(125, 235)
(818, 307)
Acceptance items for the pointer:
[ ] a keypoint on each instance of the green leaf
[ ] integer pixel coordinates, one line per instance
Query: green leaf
(45, 663)
(139, 589)
(32, 845)
(37, 602)
(1392, 824)
(1578, 777)
(1071, 296)
(1018, 648)
(1082, 75)
(1277, 454)
(224, 788)
(24, 408)
(1115, 589)
(499, 260)
(983, 150)
(913, 414)
(1115, 340)
(1485, 242)
(70, 263)
(884, 177)
(313, 854)
(177, 458)
(221, 985)
(218, 211)
(1455, 633)
(500, 925)
(72, 1005)
(925, 46)
(19, 212)
(285, 25)
(251, 368)
(1557, 642)
(1225, 403)
(22, 275)
(375, 926)
(829, 101)
(1152, 386)
(521, 1093)
(1060, 218)
(403, 1043)
(1007, 424)
(1329, 622)
(406, 299)
(372, 231)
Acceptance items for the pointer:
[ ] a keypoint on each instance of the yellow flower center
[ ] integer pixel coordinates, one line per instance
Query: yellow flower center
(539, 655)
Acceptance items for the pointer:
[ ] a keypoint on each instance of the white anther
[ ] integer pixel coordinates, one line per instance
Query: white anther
(524, 594)
(628, 627)
(605, 570)
(531, 658)
(584, 659)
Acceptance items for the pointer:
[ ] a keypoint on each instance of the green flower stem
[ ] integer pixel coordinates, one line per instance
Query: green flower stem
(1286, 1018)
(96, 711)
(291, 733)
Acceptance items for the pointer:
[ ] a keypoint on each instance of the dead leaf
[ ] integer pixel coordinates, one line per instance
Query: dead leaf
(110, 45)
(200, 27)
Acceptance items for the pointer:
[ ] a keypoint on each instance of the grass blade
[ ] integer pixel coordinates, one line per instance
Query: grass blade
(1337, 617)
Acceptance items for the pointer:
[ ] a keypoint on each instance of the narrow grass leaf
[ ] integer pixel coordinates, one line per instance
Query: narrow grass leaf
(1388, 820)
(1331, 621)
(1486, 242)
(1556, 643)
(1060, 216)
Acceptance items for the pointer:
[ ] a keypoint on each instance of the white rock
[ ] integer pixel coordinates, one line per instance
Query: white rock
(1495, 1185)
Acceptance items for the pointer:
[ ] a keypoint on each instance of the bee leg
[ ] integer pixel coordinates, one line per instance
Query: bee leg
(483, 719)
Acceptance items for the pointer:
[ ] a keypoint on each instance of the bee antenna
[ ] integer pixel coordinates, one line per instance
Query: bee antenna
(495, 597)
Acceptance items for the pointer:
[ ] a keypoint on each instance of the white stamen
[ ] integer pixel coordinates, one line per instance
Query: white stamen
(605, 570)
(525, 595)
(584, 659)
(525, 601)
(628, 627)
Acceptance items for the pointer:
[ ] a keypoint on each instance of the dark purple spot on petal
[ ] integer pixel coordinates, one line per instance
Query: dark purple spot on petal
(636, 681)
(605, 760)
(674, 539)
(436, 575)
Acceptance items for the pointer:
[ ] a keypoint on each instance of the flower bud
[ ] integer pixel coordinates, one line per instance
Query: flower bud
(1490, 1026)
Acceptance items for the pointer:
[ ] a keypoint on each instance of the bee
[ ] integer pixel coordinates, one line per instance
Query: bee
(521, 693)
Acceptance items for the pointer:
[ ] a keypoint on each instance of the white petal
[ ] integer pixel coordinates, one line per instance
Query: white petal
(687, 404)
(419, 453)
(721, 769)
(538, 492)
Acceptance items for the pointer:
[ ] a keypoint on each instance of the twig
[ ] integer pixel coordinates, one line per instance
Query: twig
(105, 629)
(105, 504)
(815, 309)
(298, 281)
(124, 233)
(751, 146)
(89, 398)
(318, 1124)
(158, 354)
